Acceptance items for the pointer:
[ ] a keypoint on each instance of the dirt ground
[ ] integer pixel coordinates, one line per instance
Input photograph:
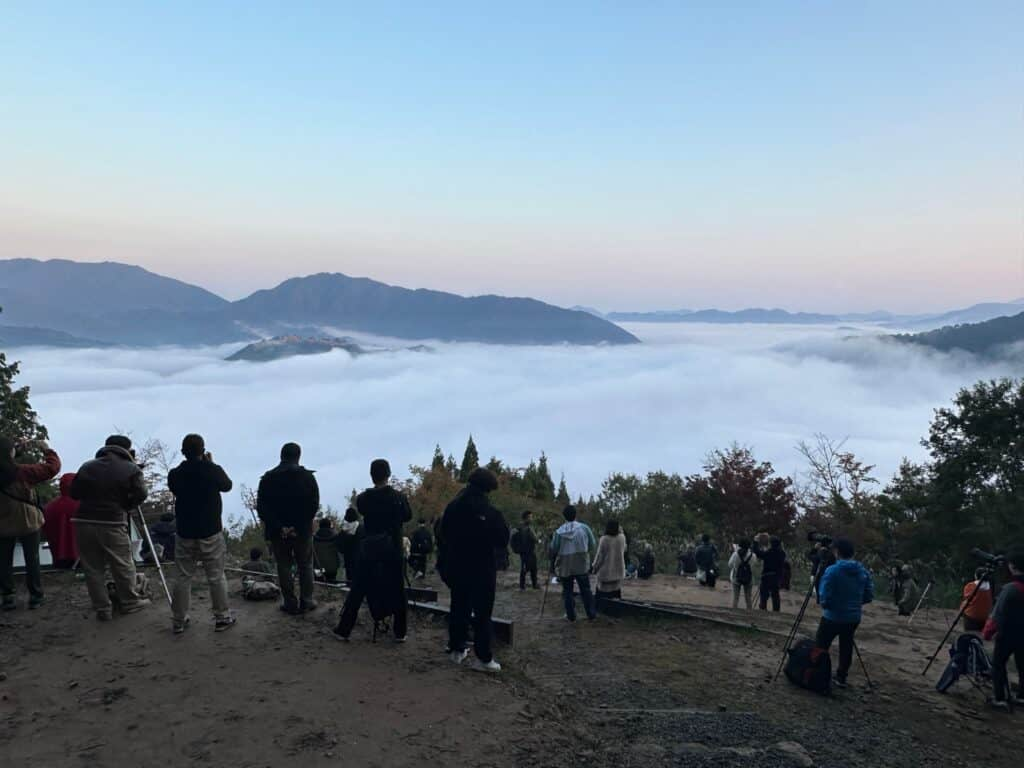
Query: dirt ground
(277, 691)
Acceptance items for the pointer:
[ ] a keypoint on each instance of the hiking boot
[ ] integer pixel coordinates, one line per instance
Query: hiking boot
(138, 605)
(1000, 704)
(9, 604)
(457, 657)
(107, 615)
(307, 607)
(291, 610)
(839, 682)
(179, 627)
(401, 639)
(224, 624)
(339, 636)
(35, 601)
(491, 666)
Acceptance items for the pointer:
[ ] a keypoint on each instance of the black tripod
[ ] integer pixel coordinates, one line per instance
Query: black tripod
(984, 578)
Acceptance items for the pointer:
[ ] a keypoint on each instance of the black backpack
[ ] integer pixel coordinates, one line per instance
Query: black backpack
(517, 541)
(810, 667)
(744, 573)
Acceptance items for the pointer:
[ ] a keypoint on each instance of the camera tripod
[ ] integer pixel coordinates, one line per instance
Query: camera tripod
(796, 628)
(985, 578)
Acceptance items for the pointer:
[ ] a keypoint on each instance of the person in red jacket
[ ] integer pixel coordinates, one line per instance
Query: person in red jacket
(21, 518)
(58, 528)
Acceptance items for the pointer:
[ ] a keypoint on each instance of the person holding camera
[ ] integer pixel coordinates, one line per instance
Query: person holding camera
(109, 487)
(844, 589)
(287, 500)
(197, 484)
(1006, 625)
(21, 518)
(772, 558)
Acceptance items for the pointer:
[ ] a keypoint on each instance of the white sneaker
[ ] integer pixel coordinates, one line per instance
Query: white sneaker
(458, 657)
(491, 666)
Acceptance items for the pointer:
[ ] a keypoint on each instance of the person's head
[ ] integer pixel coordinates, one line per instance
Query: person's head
(569, 513)
(8, 469)
(705, 539)
(380, 471)
(291, 453)
(743, 544)
(351, 515)
(775, 542)
(119, 441)
(483, 479)
(193, 446)
(527, 517)
(906, 572)
(326, 524)
(611, 528)
(1015, 560)
(843, 549)
(255, 553)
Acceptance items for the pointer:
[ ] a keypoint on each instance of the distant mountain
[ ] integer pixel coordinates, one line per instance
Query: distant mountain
(280, 347)
(992, 338)
(121, 304)
(978, 313)
(27, 336)
(360, 304)
(772, 316)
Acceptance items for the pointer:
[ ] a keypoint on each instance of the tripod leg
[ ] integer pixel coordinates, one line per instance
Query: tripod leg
(863, 666)
(156, 558)
(964, 607)
(794, 629)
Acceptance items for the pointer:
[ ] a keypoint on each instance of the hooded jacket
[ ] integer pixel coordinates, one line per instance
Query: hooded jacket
(571, 546)
(58, 528)
(197, 485)
(19, 505)
(845, 587)
(471, 531)
(108, 487)
(325, 547)
(1007, 620)
(288, 497)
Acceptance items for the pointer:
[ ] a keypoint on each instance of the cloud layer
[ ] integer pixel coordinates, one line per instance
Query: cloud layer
(660, 405)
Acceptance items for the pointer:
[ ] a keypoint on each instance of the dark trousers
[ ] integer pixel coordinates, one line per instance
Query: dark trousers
(472, 601)
(351, 561)
(418, 563)
(369, 576)
(1000, 657)
(528, 564)
(770, 587)
(829, 631)
(297, 551)
(30, 548)
(585, 594)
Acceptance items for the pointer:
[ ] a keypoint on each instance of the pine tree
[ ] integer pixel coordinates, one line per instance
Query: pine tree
(451, 467)
(470, 461)
(437, 463)
(563, 493)
(544, 485)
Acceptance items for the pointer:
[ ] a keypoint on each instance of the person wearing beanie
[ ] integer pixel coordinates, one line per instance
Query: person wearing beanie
(109, 487)
(845, 588)
(471, 530)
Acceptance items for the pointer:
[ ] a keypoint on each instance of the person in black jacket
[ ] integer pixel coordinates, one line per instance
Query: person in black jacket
(772, 560)
(422, 547)
(380, 571)
(525, 545)
(350, 538)
(287, 501)
(471, 531)
(1006, 625)
(197, 484)
(706, 556)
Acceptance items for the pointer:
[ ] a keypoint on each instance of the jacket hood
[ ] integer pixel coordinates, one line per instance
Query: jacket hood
(569, 526)
(849, 566)
(288, 466)
(115, 451)
(65, 483)
(325, 534)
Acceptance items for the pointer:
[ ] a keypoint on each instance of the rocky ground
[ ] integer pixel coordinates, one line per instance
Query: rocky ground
(276, 691)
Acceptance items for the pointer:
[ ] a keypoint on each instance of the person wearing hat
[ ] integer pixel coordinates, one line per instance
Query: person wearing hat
(109, 487)
(845, 587)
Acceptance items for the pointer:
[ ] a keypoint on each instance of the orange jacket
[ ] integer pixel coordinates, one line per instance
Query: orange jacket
(981, 606)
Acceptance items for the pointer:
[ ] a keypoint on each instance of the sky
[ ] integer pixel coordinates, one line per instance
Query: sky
(662, 405)
(650, 155)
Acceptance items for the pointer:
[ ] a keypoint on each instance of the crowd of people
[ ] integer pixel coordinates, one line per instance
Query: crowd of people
(88, 525)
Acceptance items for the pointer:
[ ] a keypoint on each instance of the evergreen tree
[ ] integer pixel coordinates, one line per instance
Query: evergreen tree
(563, 492)
(470, 461)
(17, 419)
(451, 467)
(437, 463)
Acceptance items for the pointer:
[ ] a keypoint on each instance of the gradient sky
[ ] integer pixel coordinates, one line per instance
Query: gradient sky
(814, 156)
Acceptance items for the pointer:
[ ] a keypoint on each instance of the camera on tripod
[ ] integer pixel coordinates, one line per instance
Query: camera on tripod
(990, 560)
(821, 538)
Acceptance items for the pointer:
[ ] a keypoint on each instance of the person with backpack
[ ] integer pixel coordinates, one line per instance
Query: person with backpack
(287, 501)
(421, 546)
(21, 519)
(1006, 626)
(844, 589)
(706, 556)
(571, 546)
(524, 544)
(350, 538)
(471, 530)
(741, 573)
(197, 484)
(772, 560)
(380, 572)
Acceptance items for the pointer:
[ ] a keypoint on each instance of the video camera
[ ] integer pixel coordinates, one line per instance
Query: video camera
(992, 561)
(820, 538)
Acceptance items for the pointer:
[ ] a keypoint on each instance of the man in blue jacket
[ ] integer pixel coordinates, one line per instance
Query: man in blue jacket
(844, 588)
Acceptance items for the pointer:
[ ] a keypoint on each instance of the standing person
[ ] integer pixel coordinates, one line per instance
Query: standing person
(845, 588)
(109, 487)
(471, 531)
(572, 546)
(1006, 625)
(741, 573)
(21, 519)
(910, 592)
(524, 544)
(821, 558)
(979, 592)
(422, 546)
(706, 556)
(326, 549)
(197, 484)
(287, 501)
(58, 528)
(381, 568)
(349, 539)
(772, 560)
(610, 562)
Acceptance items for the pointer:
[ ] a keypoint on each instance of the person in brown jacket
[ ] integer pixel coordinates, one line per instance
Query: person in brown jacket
(109, 487)
(21, 519)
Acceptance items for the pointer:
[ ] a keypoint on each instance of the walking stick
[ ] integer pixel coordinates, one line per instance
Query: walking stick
(156, 557)
(863, 667)
(547, 585)
(927, 589)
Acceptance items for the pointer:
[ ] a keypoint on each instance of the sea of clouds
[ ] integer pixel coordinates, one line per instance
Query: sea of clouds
(663, 404)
